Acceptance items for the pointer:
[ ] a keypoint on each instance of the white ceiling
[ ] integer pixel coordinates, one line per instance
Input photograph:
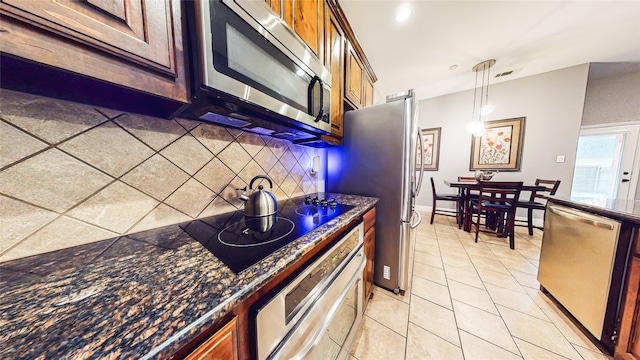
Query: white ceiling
(528, 37)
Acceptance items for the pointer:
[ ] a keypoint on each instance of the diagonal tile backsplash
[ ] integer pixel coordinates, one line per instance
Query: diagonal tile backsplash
(52, 180)
(72, 174)
(108, 148)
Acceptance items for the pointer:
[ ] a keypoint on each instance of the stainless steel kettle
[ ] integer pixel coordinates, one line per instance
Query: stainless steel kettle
(262, 224)
(260, 202)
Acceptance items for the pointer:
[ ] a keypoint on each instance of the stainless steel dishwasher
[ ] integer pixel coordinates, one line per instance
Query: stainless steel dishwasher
(578, 267)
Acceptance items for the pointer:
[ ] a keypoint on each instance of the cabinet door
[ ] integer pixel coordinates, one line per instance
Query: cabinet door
(354, 76)
(276, 6)
(128, 43)
(334, 61)
(138, 30)
(628, 345)
(370, 252)
(308, 23)
(368, 91)
(634, 348)
(305, 17)
(287, 12)
(223, 345)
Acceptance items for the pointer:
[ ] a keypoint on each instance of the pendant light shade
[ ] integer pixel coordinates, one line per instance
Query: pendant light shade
(481, 104)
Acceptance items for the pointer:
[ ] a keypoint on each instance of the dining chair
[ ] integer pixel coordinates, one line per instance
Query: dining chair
(465, 196)
(448, 197)
(538, 201)
(497, 201)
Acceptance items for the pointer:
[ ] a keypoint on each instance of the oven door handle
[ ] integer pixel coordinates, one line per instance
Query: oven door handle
(315, 338)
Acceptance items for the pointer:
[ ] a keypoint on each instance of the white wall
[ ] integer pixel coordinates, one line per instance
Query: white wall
(612, 99)
(613, 90)
(552, 104)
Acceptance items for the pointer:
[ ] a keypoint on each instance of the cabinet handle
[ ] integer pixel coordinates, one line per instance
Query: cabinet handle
(581, 219)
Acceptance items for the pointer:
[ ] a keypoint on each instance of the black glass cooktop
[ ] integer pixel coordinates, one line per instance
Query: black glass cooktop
(240, 241)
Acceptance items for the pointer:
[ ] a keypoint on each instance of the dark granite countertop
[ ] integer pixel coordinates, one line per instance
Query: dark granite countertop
(142, 295)
(624, 210)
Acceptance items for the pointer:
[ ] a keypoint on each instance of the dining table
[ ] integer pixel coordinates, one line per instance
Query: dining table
(465, 187)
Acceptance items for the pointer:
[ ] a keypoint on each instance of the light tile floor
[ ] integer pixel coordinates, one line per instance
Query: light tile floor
(469, 301)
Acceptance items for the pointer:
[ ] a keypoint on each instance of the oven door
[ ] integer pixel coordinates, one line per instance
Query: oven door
(249, 53)
(328, 329)
(318, 313)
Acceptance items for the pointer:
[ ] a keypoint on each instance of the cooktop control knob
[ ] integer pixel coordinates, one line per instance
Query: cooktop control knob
(307, 200)
(333, 203)
(324, 203)
(315, 201)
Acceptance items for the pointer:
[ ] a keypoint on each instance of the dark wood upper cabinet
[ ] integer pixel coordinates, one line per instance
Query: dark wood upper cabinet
(334, 61)
(132, 43)
(276, 6)
(368, 92)
(137, 30)
(308, 23)
(354, 78)
(305, 18)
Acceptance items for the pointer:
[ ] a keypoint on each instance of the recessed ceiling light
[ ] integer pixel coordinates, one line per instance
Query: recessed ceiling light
(453, 67)
(403, 14)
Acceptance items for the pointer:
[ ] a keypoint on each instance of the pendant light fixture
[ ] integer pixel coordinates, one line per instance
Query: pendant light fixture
(480, 97)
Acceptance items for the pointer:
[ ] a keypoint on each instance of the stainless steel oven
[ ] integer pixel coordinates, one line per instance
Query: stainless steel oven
(248, 56)
(316, 316)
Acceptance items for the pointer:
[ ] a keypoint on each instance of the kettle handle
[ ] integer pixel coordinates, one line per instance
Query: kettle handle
(261, 177)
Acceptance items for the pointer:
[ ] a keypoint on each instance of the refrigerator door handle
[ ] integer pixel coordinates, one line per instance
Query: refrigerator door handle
(415, 224)
(419, 183)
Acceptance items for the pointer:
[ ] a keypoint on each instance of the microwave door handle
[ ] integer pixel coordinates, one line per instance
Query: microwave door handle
(312, 86)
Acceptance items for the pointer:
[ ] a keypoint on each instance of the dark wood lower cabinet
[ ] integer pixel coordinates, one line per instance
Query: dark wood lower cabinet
(628, 345)
(369, 252)
(222, 345)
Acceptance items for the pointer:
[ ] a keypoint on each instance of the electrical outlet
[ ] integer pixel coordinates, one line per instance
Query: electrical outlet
(386, 273)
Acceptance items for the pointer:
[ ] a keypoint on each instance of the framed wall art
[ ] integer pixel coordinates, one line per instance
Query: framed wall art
(500, 147)
(431, 151)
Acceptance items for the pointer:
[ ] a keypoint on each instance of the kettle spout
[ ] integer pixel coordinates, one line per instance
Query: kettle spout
(244, 196)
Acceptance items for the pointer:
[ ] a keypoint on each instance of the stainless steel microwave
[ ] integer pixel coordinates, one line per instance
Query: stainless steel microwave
(251, 71)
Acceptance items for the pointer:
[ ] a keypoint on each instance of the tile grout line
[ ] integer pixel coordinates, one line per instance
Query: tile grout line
(496, 307)
(453, 309)
(494, 304)
(513, 336)
(439, 237)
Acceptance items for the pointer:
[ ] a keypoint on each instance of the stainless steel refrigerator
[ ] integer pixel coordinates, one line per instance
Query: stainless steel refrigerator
(379, 158)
